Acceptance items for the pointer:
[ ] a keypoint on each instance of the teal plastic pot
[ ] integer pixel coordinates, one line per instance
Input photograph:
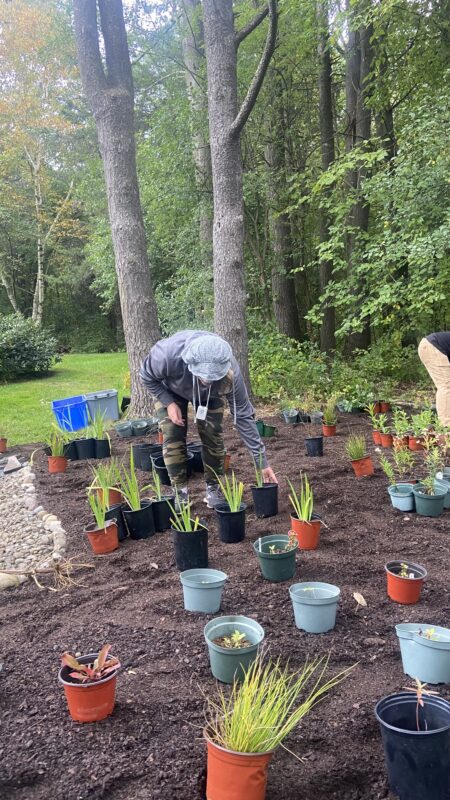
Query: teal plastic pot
(124, 429)
(425, 657)
(444, 483)
(268, 431)
(429, 505)
(202, 589)
(228, 665)
(315, 606)
(402, 496)
(291, 416)
(275, 567)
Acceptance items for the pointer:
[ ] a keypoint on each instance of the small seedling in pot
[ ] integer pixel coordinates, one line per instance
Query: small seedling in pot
(56, 442)
(236, 641)
(421, 423)
(291, 544)
(258, 472)
(400, 422)
(433, 463)
(404, 461)
(388, 470)
(420, 691)
(99, 507)
(156, 486)
(405, 572)
(383, 425)
(374, 417)
(91, 673)
(97, 426)
(105, 476)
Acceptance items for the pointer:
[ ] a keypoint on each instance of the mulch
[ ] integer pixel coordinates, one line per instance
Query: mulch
(151, 747)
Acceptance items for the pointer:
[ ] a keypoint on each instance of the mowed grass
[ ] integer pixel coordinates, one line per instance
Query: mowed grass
(25, 407)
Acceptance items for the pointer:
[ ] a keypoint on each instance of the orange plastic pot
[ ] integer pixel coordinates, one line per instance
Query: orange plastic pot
(3, 445)
(328, 430)
(384, 407)
(400, 442)
(376, 436)
(363, 466)
(160, 437)
(103, 540)
(404, 590)
(235, 776)
(377, 408)
(416, 443)
(56, 464)
(307, 533)
(89, 702)
(227, 462)
(114, 496)
(387, 440)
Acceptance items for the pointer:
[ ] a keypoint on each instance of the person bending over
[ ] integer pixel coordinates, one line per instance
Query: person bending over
(434, 353)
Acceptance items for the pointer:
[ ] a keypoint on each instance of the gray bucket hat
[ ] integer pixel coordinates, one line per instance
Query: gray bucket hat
(208, 357)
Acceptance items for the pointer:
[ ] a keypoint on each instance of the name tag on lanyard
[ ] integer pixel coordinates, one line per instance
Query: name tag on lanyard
(202, 410)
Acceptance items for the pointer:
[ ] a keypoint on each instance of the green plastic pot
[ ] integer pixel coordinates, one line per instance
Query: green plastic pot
(276, 567)
(260, 426)
(227, 664)
(429, 505)
(269, 431)
(124, 429)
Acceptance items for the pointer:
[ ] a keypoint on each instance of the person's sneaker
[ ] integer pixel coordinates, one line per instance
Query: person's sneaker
(182, 496)
(213, 496)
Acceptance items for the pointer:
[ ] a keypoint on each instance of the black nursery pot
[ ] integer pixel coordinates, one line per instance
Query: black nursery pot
(265, 500)
(417, 762)
(231, 523)
(115, 512)
(142, 455)
(196, 449)
(140, 523)
(161, 469)
(102, 448)
(314, 445)
(191, 549)
(70, 451)
(85, 448)
(162, 514)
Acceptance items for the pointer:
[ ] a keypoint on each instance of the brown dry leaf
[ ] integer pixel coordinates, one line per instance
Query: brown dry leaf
(360, 600)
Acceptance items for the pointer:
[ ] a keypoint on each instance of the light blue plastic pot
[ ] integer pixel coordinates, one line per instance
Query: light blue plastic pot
(229, 664)
(444, 483)
(202, 589)
(315, 606)
(402, 496)
(425, 657)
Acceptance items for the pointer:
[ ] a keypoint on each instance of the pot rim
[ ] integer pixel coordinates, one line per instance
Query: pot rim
(402, 697)
(410, 630)
(144, 504)
(439, 492)
(280, 537)
(236, 620)
(412, 565)
(357, 460)
(394, 490)
(297, 596)
(91, 657)
(218, 578)
(91, 528)
(234, 752)
(314, 518)
(201, 529)
(264, 486)
(224, 508)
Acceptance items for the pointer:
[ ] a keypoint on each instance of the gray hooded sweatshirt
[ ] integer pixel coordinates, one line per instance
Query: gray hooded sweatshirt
(167, 377)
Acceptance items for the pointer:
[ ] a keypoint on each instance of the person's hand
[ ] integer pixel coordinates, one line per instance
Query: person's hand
(268, 475)
(174, 414)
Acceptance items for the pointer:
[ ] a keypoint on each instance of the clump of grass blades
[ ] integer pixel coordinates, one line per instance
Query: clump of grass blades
(129, 486)
(182, 519)
(258, 471)
(232, 491)
(303, 501)
(56, 441)
(355, 447)
(262, 711)
(106, 476)
(99, 505)
(97, 426)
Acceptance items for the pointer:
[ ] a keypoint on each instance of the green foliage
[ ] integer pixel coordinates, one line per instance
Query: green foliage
(302, 501)
(99, 507)
(182, 519)
(279, 365)
(25, 348)
(56, 441)
(355, 447)
(232, 490)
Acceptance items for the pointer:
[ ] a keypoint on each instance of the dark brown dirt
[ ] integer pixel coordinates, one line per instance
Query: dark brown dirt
(151, 748)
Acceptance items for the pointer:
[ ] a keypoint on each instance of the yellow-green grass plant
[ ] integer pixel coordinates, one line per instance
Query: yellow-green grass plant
(99, 508)
(329, 412)
(129, 485)
(56, 441)
(182, 519)
(355, 447)
(258, 472)
(106, 476)
(97, 426)
(259, 713)
(302, 501)
(232, 490)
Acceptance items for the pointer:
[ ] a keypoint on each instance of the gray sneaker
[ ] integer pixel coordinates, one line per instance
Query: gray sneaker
(213, 496)
(182, 496)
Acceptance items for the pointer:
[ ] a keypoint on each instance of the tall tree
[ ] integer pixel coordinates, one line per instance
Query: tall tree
(109, 89)
(226, 122)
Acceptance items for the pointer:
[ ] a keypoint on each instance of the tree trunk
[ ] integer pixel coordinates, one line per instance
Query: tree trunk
(192, 45)
(225, 125)
(38, 297)
(328, 326)
(110, 96)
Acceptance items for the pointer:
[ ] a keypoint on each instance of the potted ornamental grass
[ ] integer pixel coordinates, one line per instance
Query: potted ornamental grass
(386, 437)
(103, 533)
(231, 513)
(304, 523)
(161, 504)
(246, 726)
(233, 643)
(276, 554)
(265, 495)
(415, 730)
(189, 537)
(102, 441)
(106, 480)
(57, 461)
(138, 513)
(356, 449)
(425, 651)
(329, 418)
(428, 495)
(401, 493)
(404, 581)
(90, 684)
(373, 410)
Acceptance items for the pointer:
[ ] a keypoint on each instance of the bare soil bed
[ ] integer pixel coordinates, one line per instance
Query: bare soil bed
(151, 748)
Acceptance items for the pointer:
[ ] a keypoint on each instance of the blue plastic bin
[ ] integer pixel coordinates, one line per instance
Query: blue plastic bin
(71, 413)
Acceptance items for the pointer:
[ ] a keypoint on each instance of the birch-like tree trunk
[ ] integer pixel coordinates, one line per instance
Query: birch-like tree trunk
(226, 122)
(110, 94)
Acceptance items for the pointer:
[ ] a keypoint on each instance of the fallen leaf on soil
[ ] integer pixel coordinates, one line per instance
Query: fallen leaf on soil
(360, 600)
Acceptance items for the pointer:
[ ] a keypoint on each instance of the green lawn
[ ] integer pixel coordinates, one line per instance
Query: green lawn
(25, 406)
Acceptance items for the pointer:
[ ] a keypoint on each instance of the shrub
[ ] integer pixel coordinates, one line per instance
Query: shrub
(25, 348)
(281, 366)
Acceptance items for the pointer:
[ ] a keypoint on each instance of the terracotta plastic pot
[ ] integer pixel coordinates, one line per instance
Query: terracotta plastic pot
(3, 445)
(231, 775)
(328, 430)
(307, 533)
(114, 496)
(363, 466)
(387, 440)
(377, 408)
(160, 437)
(400, 441)
(103, 540)
(227, 462)
(384, 407)
(89, 702)
(376, 436)
(404, 590)
(416, 443)
(57, 464)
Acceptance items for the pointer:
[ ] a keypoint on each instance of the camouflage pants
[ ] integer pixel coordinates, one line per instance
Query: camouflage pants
(174, 441)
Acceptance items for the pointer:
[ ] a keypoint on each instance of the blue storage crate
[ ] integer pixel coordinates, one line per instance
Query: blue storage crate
(71, 413)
